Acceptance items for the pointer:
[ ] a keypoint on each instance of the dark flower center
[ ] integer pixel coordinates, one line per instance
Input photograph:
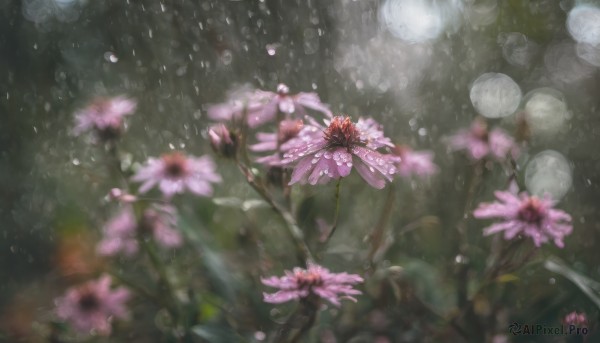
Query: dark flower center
(532, 211)
(175, 165)
(481, 133)
(289, 129)
(100, 105)
(308, 280)
(342, 132)
(89, 302)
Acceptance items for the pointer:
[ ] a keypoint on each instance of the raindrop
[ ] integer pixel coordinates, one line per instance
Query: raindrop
(546, 111)
(583, 24)
(564, 65)
(517, 49)
(226, 57)
(589, 53)
(411, 21)
(495, 95)
(260, 336)
(271, 49)
(111, 57)
(549, 173)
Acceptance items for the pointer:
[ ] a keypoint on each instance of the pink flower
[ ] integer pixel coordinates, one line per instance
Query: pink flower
(119, 234)
(321, 154)
(273, 142)
(161, 222)
(480, 143)
(93, 305)
(260, 107)
(176, 173)
(105, 115)
(240, 102)
(117, 194)
(316, 280)
(577, 319)
(526, 215)
(223, 141)
(371, 133)
(410, 162)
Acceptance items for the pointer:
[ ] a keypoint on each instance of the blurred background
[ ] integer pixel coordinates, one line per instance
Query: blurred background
(420, 67)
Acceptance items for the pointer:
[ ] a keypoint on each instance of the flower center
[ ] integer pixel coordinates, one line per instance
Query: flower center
(342, 132)
(532, 211)
(481, 132)
(175, 165)
(307, 279)
(289, 129)
(89, 302)
(100, 106)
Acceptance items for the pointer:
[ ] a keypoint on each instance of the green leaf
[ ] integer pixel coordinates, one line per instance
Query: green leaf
(216, 333)
(216, 271)
(504, 278)
(588, 286)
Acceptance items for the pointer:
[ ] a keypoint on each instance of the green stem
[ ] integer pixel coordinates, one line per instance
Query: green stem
(163, 277)
(337, 210)
(304, 254)
(377, 236)
(137, 288)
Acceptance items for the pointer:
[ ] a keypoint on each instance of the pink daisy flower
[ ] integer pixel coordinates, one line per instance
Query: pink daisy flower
(176, 173)
(161, 222)
(410, 162)
(526, 215)
(121, 232)
(92, 306)
(321, 154)
(119, 235)
(262, 106)
(316, 280)
(105, 115)
(480, 143)
(371, 132)
(273, 142)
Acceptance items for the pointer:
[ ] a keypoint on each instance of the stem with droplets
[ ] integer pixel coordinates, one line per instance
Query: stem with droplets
(337, 209)
(304, 254)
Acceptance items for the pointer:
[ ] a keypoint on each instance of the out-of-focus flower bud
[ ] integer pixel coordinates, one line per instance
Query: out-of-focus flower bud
(117, 194)
(223, 141)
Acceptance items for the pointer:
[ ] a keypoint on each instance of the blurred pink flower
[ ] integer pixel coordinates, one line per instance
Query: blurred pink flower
(118, 194)
(104, 115)
(223, 141)
(316, 280)
(321, 154)
(410, 162)
(93, 305)
(526, 215)
(480, 143)
(161, 222)
(262, 106)
(119, 234)
(577, 319)
(371, 133)
(176, 173)
(273, 142)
